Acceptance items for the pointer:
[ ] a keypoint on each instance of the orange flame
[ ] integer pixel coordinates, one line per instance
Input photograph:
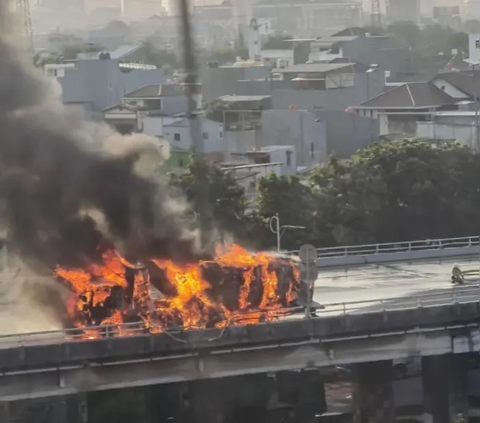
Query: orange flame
(100, 293)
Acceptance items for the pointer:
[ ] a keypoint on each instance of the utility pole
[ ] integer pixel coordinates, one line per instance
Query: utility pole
(23, 10)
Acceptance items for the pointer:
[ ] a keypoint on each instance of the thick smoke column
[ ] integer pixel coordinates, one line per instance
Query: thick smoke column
(55, 170)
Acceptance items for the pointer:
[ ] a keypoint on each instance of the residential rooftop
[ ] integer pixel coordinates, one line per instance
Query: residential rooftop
(155, 91)
(411, 95)
(314, 67)
(241, 98)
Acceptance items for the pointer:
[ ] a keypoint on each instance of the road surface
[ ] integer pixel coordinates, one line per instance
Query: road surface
(373, 286)
(404, 282)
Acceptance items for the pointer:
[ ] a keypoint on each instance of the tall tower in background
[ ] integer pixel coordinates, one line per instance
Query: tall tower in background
(23, 10)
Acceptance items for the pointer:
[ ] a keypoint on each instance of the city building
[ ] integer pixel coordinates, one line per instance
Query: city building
(218, 81)
(399, 109)
(149, 108)
(179, 135)
(100, 83)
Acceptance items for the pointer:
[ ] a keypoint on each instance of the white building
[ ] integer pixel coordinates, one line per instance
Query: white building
(454, 125)
(179, 134)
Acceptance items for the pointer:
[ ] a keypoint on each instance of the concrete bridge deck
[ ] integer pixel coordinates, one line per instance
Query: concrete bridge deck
(372, 312)
(383, 281)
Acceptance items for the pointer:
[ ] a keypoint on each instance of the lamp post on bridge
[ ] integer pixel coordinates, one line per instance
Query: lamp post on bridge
(280, 230)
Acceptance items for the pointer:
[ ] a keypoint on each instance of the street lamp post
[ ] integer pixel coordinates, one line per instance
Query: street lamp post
(280, 230)
(373, 68)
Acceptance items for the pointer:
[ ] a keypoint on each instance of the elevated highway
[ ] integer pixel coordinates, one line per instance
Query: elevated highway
(372, 312)
(47, 364)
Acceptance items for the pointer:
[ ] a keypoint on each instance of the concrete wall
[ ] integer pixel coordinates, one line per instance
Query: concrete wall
(347, 132)
(174, 104)
(402, 125)
(332, 99)
(153, 125)
(239, 142)
(299, 128)
(253, 87)
(289, 345)
(211, 133)
(465, 134)
(217, 82)
(46, 354)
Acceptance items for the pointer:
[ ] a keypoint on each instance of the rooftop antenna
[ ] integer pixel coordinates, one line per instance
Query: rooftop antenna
(23, 9)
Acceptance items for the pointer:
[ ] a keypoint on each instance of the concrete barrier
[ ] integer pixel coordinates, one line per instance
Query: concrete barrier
(437, 253)
(198, 342)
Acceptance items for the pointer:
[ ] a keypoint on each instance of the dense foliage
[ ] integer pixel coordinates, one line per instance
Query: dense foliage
(430, 39)
(394, 191)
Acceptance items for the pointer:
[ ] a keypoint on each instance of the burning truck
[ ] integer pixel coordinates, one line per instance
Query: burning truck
(235, 287)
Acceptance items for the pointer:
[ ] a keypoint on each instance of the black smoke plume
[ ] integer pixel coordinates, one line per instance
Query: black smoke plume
(55, 169)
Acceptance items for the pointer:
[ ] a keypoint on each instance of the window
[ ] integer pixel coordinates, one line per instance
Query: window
(221, 134)
(289, 158)
(180, 163)
(311, 150)
(176, 137)
(205, 135)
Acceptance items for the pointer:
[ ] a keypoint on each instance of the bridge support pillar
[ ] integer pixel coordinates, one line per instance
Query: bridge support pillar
(445, 387)
(373, 398)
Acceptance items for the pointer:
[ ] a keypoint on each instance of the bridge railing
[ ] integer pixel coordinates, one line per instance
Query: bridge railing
(470, 294)
(456, 296)
(397, 247)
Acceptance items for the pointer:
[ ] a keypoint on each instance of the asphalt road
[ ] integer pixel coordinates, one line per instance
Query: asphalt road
(376, 285)
(395, 284)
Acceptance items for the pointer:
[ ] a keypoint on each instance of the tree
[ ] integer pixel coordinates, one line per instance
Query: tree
(277, 41)
(432, 39)
(159, 57)
(217, 200)
(398, 191)
(71, 51)
(472, 26)
(406, 32)
(292, 198)
(216, 109)
(457, 41)
(225, 55)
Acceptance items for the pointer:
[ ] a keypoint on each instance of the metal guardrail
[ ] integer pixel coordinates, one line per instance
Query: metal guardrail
(397, 247)
(469, 294)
